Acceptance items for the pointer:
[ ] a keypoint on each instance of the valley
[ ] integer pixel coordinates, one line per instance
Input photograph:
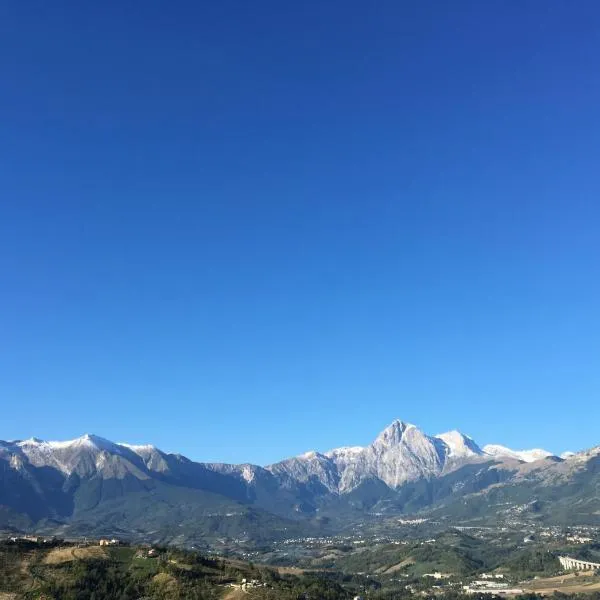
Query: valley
(454, 563)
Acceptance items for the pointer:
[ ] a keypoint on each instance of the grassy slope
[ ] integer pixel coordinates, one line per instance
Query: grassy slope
(68, 572)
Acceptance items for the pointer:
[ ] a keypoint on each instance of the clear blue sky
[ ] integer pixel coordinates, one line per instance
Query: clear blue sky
(242, 230)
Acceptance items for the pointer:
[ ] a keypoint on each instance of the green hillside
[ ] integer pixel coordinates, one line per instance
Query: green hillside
(75, 572)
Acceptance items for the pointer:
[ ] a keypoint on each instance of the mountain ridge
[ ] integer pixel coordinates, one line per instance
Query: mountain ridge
(91, 482)
(400, 453)
(467, 441)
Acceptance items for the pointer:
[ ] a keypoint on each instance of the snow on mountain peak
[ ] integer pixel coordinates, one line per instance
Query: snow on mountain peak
(91, 454)
(140, 449)
(87, 439)
(309, 454)
(399, 454)
(523, 455)
(32, 441)
(459, 445)
(347, 452)
(81, 455)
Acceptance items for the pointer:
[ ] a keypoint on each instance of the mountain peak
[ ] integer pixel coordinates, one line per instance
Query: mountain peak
(310, 454)
(32, 441)
(393, 433)
(88, 440)
(453, 434)
(459, 445)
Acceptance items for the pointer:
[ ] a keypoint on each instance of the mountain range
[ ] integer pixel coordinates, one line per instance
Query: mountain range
(91, 485)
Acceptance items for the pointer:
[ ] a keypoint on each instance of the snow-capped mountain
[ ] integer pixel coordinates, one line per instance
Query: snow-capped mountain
(523, 455)
(401, 453)
(460, 446)
(91, 480)
(83, 456)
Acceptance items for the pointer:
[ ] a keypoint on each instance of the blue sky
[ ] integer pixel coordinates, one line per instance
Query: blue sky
(242, 230)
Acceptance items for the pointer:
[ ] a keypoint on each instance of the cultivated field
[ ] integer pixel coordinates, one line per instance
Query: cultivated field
(58, 556)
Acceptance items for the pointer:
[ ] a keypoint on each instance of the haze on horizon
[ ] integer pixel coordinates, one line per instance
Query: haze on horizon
(243, 231)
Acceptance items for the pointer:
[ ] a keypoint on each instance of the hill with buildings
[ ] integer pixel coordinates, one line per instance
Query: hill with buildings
(455, 564)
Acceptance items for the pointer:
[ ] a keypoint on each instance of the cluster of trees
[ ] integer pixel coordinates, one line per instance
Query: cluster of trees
(534, 562)
(92, 580)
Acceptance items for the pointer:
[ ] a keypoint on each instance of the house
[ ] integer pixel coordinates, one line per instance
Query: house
(112, 542)
(579, 539)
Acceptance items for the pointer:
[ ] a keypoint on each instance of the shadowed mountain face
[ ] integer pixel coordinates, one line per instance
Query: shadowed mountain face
(91, 484)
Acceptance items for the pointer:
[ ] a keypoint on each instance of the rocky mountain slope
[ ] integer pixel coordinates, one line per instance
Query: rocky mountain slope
(92, 484)
(401, 453)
